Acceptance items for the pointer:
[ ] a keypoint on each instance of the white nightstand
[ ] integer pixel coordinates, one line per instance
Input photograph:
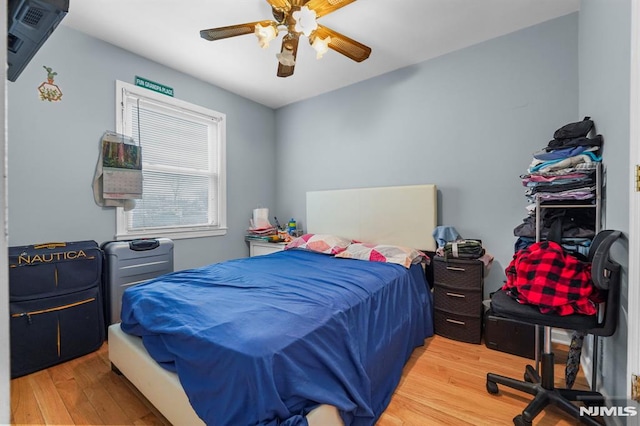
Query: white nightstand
(258, 248)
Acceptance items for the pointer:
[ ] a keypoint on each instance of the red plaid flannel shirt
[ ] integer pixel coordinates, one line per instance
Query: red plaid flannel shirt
(544, 275)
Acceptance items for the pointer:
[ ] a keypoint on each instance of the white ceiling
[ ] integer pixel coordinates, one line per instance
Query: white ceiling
(399, 32)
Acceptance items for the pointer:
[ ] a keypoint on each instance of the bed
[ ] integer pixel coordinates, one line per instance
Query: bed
(293, 338)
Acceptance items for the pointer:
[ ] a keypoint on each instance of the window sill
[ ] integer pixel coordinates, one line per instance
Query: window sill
(173, 234)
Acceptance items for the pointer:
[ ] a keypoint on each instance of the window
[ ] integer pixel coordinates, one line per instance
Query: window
(183, 166)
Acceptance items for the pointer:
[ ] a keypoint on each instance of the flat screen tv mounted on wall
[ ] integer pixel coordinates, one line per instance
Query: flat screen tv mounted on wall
(29, 24)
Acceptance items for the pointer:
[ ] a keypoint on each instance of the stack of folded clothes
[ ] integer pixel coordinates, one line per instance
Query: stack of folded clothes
(463, 249)
(451, 245)
(563, 173)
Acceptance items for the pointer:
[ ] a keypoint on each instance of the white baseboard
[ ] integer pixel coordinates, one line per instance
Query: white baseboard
(586, 362)
(559, 335)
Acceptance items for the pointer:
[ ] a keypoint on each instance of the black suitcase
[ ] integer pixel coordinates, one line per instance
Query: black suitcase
(55, 298)
(511, 336)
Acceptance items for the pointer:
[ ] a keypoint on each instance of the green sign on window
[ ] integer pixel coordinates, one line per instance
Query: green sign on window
(152, 85)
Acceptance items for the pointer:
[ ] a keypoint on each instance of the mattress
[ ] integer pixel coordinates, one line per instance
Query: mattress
(264, 340)
(160, 386)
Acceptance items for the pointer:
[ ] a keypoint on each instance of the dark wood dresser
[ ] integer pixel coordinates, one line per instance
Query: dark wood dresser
(458, 292)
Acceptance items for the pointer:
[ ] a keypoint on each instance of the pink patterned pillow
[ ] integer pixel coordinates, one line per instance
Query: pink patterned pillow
(404, 256)
(320, 243)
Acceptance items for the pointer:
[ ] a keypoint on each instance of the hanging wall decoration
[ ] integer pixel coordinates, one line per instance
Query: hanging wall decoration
(48, 90)
(117, 181)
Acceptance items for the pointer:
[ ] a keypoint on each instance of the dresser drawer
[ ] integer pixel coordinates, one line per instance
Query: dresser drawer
(458, 327)
(458, 273)
(259, 248)
(459, 301)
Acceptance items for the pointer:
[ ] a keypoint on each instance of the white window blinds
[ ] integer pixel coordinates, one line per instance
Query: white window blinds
(182, 149)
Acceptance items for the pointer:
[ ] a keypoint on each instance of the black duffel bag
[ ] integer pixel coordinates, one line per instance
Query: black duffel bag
(575, 130)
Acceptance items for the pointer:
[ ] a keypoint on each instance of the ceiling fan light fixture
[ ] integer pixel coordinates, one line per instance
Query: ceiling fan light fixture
(305, 21)
(265, 34)
(294, 19)
(321, 46)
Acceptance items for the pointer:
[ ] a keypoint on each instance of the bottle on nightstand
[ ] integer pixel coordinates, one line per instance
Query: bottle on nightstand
(292, 227)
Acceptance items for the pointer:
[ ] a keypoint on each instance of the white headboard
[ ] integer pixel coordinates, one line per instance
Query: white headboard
(398, 215)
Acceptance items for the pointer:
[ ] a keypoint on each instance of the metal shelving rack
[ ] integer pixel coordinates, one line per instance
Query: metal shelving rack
(597, 205)
(597, 227)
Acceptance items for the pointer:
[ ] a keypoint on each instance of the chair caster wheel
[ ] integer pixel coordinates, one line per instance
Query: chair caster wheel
(492, 387)
(531, 375)
(520, 421)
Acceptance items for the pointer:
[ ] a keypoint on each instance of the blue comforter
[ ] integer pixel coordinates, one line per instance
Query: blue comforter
(263, 340)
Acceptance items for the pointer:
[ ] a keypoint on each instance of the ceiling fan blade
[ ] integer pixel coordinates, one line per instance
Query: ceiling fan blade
(323, 7)
(282, 5)
(289, 43)
(343, 44)
(219, 33)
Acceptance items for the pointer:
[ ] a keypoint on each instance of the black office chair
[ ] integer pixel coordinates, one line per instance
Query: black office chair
(606, 276)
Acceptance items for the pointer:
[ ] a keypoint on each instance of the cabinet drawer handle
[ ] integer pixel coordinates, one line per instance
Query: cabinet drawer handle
(454, 268)
(455, 321)
(462, 296)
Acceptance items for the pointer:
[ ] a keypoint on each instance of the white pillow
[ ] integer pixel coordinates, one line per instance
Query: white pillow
(404, 256)
(320, 243)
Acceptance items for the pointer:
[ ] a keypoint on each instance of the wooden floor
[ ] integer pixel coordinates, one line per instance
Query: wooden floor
(443, 384)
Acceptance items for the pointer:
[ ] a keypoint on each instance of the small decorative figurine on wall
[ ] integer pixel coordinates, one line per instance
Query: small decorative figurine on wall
(48, 90)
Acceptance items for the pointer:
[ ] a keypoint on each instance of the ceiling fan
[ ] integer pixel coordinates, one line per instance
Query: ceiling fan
(296, 17)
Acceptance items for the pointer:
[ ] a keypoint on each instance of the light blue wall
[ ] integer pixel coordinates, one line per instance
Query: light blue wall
(605, 61)
(53, 147)
(468, 121)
